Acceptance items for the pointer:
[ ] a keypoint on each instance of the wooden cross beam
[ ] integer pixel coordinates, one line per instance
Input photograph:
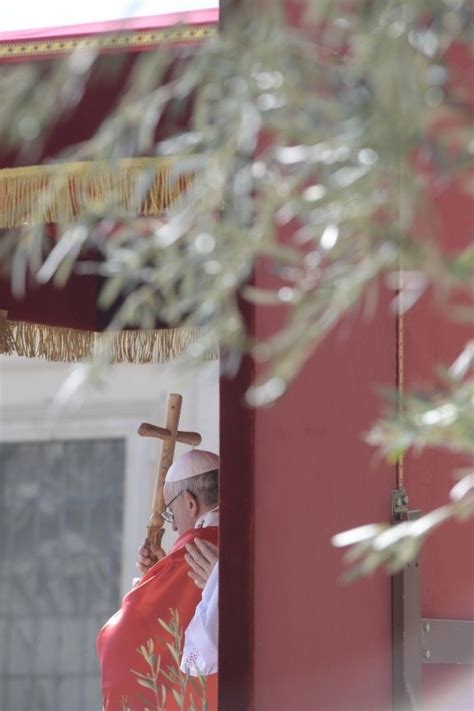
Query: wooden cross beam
(169, 435)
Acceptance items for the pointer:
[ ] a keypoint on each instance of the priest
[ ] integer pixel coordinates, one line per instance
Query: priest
(138, 647)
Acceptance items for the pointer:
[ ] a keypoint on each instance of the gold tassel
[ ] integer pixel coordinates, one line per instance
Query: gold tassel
(69, 345)
(63, 192)
(7, 344)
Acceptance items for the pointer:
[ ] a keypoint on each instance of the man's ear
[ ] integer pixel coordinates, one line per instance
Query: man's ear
(192, 502)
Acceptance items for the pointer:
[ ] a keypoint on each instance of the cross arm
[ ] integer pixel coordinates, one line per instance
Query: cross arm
(148, 430)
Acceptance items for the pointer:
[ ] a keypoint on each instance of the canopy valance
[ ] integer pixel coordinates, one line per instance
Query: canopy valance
(70, 345)
(62, 192)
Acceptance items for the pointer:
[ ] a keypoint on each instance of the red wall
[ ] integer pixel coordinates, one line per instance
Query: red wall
(318, 643)
(292, 637)
(431, 339)
(295, 474)
(292, 476)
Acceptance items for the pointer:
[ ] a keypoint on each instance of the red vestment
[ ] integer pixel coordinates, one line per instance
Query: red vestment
(164, 588)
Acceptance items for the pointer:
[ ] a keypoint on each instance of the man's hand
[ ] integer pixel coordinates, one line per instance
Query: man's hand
(201, 557)
(148, 556)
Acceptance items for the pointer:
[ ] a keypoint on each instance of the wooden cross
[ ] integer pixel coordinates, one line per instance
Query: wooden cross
(169, 436)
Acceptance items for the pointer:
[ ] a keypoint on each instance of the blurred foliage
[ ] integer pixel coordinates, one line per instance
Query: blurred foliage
(442, 419)
(319, 153)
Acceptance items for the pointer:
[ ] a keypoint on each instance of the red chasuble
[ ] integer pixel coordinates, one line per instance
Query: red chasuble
(124, 645)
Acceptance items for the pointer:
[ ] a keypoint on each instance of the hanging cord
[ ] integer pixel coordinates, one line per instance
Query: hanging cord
(400, 367)
(404, 220)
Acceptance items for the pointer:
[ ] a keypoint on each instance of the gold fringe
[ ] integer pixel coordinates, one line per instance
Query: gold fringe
(63, 192)
(68, 345)
(7, 344)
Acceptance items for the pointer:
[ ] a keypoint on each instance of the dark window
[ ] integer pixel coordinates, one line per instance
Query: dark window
(60, 541)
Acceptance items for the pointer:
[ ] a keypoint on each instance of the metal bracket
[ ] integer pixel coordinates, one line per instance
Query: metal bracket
(406, 619)
(417, 641)
(447, 641)
(399, 504)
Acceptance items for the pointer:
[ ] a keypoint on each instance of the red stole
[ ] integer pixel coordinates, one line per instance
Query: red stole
(165, 587)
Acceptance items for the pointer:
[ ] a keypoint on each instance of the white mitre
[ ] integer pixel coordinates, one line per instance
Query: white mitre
(193, 463)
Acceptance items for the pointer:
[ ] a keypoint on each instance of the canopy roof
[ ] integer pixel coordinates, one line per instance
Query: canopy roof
(66, 324)
(50, 28)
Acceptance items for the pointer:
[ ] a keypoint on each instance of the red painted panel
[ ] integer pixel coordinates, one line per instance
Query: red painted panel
(447, 558)
(320, 644)
(236, 536)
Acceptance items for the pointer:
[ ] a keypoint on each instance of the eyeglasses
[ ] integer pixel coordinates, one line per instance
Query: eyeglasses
(166, 513)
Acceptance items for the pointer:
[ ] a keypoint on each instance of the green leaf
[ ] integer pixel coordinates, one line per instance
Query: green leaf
(111, 290)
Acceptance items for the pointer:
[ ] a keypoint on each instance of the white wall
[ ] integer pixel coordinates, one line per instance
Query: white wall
(127, 396)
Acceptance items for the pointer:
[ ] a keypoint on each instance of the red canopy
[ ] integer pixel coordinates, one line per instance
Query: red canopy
(74, 306)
